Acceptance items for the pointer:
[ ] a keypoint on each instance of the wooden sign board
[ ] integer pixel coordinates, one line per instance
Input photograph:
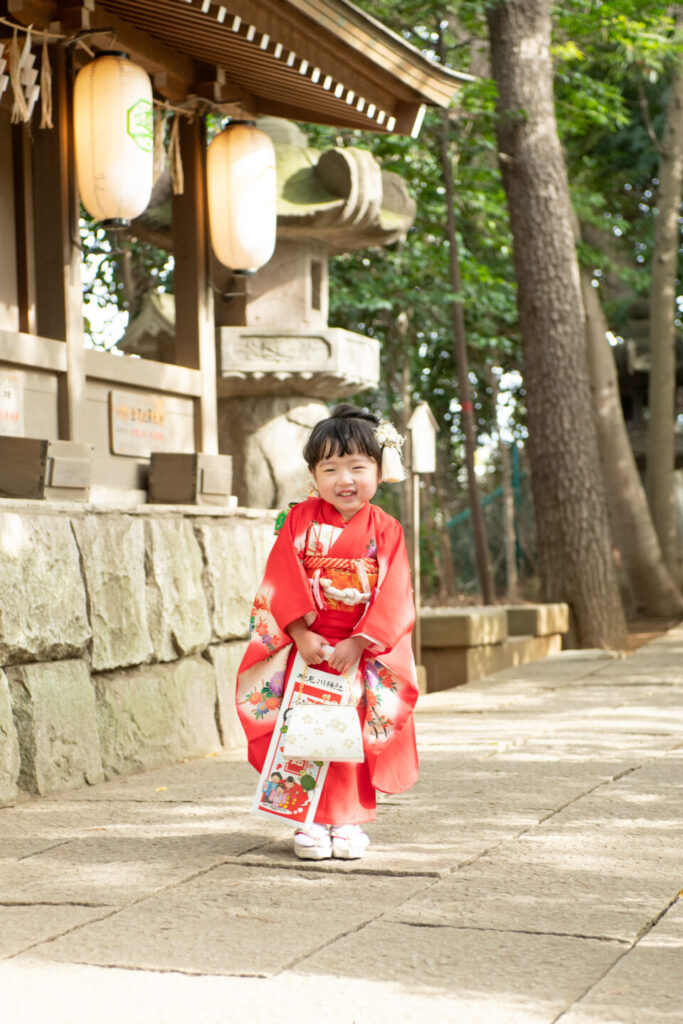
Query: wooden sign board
(138, 424)
(11, 406)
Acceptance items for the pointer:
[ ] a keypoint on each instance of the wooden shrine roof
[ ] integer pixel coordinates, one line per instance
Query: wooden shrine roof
(321, 61)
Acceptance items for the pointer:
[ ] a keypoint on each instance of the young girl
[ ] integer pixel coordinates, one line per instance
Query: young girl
(338, 576)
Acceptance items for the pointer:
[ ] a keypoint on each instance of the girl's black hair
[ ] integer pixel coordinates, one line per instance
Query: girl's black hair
(347, 431)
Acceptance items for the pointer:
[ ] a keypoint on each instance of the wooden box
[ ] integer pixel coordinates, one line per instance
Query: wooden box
(177, 478)
(32, 467)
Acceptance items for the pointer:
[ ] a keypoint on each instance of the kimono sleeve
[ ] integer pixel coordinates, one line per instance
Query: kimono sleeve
(392, 612)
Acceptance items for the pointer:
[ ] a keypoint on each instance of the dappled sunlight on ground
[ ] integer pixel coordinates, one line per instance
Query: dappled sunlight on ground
(531, 875)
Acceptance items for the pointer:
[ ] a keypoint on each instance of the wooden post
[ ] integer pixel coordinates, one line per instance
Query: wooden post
(24, 228)
(58, 288)
(195, 338)
(417, 587)
(422, 427)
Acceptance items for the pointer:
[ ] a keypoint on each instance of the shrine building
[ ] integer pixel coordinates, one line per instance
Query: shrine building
(134, 524)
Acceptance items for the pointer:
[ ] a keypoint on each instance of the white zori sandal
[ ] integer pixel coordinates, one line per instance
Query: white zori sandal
(313, 842)
(349, 842)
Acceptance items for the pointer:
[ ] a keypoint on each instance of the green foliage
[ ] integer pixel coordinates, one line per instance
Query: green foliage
(118, 271)
(613, 64)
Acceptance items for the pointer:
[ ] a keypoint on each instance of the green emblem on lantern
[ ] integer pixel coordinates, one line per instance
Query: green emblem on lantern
(140, 125)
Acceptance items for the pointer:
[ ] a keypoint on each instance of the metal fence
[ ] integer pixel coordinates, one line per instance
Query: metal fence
(461, 536)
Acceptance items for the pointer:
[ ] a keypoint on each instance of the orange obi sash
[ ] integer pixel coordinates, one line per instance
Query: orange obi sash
(341, 584)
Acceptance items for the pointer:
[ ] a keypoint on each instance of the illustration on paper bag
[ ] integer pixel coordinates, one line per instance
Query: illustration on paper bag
(289, 788)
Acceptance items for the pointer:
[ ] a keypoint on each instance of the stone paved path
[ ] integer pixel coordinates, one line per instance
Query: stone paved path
(533, 875)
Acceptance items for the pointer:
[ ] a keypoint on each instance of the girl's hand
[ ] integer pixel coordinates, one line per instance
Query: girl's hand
(310, 646)
(346, 653)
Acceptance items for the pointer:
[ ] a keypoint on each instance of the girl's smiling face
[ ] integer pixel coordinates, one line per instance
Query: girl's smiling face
(346, 481)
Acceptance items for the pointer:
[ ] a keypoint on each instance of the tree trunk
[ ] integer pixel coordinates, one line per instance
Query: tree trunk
(662, 386)
(653, 590)
(574, 542)
(484, 569)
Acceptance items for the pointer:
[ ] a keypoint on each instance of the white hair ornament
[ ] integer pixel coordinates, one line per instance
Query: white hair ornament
(391, 443)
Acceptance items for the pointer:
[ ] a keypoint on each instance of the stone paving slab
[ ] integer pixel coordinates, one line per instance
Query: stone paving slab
(651, 772)
(215, 775)
(61, 822)
(668, 931)
(235, 921)
(113, 870)
(479, 967)
(645, 986)
(39, 992)
(537, 885)
(16, 848)
(22, 927)
(596, 714)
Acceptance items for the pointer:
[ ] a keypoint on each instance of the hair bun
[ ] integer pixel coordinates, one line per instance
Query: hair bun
(348, 412)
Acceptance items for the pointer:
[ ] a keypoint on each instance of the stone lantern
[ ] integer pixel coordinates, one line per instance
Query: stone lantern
(280, 364)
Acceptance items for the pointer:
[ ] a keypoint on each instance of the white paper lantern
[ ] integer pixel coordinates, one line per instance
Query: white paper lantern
(242, 197)
(114, 138)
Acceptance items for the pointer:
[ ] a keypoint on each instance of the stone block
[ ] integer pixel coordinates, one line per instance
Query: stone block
(447, 667)
(537, 619)
(177, 612)
(522, 649)
(113, 554)
(9, 747)
(54, 713)
(235, 553)
(453, 666)
(42, 595)
(225, 659)
(463, 627)
(154, 715)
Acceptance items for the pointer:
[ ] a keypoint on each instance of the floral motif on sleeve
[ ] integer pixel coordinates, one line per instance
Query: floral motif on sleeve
(379, 683)
(262, 625)
(268, 698)
(371, 549)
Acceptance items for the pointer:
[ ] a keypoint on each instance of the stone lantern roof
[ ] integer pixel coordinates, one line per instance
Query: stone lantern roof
(341, 196)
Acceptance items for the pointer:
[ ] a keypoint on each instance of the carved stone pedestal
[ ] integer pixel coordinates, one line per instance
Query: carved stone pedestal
(273, 388)
(265, 437)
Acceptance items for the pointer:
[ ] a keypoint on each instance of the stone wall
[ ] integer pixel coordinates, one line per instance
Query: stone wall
(120, 635)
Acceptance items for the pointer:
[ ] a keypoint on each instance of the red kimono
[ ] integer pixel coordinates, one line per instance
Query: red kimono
(315, 567)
